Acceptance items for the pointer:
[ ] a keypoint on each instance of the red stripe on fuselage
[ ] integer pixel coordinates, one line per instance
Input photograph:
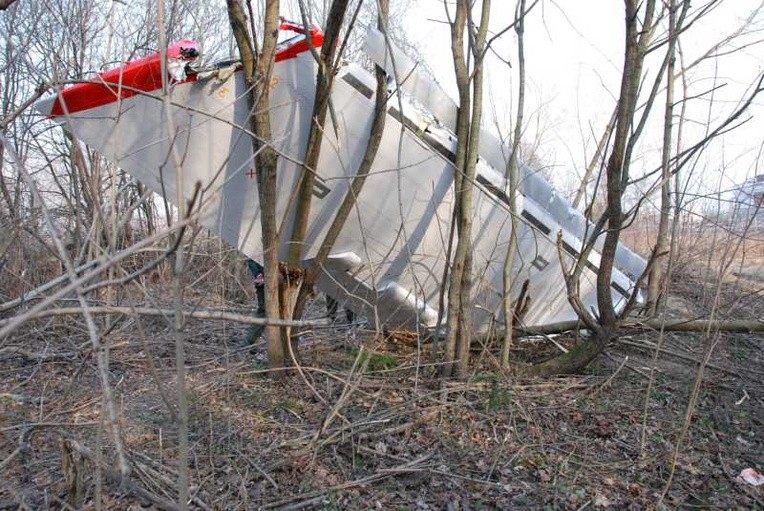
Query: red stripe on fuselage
(300, 47)
(141, 76)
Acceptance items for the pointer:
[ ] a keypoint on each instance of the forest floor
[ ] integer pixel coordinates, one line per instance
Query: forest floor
(367, 425)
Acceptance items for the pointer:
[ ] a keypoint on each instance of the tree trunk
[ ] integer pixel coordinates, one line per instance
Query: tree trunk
(638, 33)
(656, 280)
(513, 179)
(343, 212)
(4, 4)
(462, 134)
(324, 80)
(468, 135)
(618, 167)
(571, 362)
(292, 286)
(258, 67)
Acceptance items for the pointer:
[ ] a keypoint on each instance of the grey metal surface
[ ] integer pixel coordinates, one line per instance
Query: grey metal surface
(389, 259)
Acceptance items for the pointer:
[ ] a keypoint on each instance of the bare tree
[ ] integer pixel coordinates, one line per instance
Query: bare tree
(324, 78)
(639, 30)
(293, 284)
(258, 66)
(375, 136)
(513, 178)
(631, 118)
(661, 249)
(469, 81)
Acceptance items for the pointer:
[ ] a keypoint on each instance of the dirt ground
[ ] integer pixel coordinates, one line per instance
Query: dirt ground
(366, 425)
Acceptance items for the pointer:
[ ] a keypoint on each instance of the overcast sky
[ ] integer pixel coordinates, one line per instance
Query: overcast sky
(574, 53)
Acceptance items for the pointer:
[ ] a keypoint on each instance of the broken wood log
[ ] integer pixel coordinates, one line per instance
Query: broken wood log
(667, 325)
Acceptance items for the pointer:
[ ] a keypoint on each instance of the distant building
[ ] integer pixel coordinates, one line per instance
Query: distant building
(749, 207)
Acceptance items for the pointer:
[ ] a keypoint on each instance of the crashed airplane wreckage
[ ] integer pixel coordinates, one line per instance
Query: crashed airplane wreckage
(388, 262)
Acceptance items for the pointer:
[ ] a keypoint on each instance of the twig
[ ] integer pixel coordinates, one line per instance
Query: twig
(47, 425)
(735, 372)
(260, 470)
(465, 478)
(12, 493)
(607, 382)
(305, 503)
(41, 89)
(62, 502)
(628, 366)
(347, 391)
(153, 370)
(38, 291)
(296, 365)
(559, 346)
(404, 468)
(125, 483)
(10, 457)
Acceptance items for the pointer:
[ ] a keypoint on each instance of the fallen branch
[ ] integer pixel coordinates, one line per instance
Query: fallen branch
(669, 325)
(40, 291)
(745, 326)
(15, 351)
(208, 314)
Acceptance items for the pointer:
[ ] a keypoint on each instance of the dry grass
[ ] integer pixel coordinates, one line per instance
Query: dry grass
(390, 436)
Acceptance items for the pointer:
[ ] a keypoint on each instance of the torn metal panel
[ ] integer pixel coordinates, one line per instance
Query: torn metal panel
(389, 259)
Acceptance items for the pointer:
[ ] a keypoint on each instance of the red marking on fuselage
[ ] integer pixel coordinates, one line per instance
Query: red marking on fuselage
(300, 46)
(145, 76)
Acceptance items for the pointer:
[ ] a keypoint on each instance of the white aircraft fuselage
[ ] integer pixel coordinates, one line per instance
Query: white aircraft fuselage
(388, 262)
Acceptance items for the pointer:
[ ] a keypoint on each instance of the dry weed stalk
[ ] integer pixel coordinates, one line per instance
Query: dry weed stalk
(95, 339)
(711, 338)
